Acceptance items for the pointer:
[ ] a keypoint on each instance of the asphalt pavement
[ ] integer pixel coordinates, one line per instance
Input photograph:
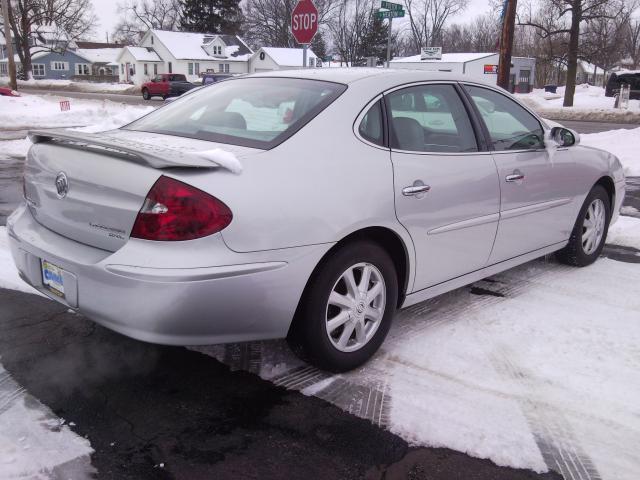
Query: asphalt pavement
(153, 412)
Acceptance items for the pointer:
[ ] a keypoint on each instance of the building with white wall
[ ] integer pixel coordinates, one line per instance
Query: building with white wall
(272, 58)
(191, 54)
(482, 66)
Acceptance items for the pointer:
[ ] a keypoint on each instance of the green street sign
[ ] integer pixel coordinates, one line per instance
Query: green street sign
(390, 6)
(390, 14)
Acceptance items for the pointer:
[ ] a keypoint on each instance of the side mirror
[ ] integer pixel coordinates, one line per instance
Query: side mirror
(564, 137)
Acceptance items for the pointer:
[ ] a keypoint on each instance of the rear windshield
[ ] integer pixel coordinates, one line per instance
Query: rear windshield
(253, 112)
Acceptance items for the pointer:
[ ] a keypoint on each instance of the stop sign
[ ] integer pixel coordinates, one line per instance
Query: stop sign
(304, 21)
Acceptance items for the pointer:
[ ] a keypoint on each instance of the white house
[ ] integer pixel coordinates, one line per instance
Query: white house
(138, 64)
(183, 52)
(272, 58)
(483, 66)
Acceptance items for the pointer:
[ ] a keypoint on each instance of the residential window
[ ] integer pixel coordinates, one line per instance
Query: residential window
(190, 68)
(3, 69)
(197, 69)
(82, 69)
(146, 69)
(60, 66)
(122, 68)
(38, 69)
(226, 68)
(151, 39)
(155, 68)
(170, 68)
(221, 67)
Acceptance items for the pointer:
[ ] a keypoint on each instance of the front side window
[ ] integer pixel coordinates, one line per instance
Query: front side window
(371, 128)
(430, 118)
(510, 126)
(253, 112)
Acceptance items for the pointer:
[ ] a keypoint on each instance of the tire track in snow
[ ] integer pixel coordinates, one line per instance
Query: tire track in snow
(553, 434)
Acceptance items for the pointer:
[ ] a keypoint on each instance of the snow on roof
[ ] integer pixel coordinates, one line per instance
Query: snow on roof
(288, 57)
(446, 58)
(188, 46)
(142, 54)
(99, 55)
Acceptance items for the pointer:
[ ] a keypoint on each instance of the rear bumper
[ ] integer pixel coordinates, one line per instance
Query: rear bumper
(243, 297)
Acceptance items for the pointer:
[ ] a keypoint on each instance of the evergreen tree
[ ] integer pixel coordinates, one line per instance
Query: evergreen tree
(319, 46)
(211, 16)
(374, 41)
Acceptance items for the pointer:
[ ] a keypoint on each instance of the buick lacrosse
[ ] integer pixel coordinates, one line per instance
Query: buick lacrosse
(309, 205)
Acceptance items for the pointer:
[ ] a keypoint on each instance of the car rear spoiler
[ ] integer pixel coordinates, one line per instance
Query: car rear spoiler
(151, 155)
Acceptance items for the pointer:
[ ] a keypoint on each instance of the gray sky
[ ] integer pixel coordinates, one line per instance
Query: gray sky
(106, 10)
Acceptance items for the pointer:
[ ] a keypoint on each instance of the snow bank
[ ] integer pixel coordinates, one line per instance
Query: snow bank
(75, 86)
(622, 143)
(625, 232)
(589, 103)
(34, 111)
(9, 277)
(33, 441)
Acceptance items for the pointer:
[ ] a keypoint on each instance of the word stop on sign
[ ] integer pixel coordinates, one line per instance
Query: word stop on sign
(304, 21)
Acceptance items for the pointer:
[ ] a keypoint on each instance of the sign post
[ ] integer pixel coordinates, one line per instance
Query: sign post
(389, 10)
(304, 25)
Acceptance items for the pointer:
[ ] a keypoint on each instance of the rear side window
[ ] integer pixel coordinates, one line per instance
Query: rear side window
(430, 118)
(252, 112)
(510, 126)
(371, 128)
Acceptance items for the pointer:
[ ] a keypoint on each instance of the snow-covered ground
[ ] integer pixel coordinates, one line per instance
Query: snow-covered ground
(75, 86)
(34, 111)
(589, 103)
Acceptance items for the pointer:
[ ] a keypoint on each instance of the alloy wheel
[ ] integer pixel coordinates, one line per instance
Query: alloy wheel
(593, 226)
(355, 307)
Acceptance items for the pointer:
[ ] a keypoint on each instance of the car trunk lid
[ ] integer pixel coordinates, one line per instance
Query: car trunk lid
(90, 187)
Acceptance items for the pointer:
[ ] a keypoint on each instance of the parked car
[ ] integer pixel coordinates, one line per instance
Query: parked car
(7, 92)
(166, 85)
(630, 78)
(209, 78)
(360, 191)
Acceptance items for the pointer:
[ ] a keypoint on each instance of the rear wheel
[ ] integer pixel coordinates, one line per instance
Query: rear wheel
(590, 230)
(145, 94)
(347, 308)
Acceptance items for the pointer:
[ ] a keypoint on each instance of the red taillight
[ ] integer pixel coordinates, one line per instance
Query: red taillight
(176, 211)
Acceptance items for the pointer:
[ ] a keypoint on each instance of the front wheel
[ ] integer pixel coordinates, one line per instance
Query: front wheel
(347, 308)
(590, 230)
(145, 94)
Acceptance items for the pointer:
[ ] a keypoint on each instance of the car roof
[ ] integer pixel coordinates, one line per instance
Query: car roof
(355, 74)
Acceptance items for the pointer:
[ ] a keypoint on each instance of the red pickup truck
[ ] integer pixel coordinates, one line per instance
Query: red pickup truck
(166, 85)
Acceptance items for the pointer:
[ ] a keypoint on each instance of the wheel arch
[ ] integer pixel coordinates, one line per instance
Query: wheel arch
(607, 183)
(388, 239)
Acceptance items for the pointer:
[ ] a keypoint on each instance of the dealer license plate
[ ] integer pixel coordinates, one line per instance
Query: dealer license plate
(52, 278)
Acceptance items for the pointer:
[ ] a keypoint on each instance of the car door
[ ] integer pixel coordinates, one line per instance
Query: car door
(446, 188)
(536, 208)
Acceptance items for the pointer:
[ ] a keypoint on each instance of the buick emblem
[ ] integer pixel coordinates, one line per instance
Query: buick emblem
(62, 185)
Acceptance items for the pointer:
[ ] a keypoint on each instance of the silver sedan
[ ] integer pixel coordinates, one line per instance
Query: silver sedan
(304, 204)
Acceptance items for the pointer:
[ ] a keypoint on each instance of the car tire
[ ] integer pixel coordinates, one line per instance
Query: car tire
(369, 315)
(584, 248)
(145, 94)
(164, 97)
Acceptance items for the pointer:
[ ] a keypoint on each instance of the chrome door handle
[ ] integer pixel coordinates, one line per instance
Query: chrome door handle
(415, 190)
(514, 177)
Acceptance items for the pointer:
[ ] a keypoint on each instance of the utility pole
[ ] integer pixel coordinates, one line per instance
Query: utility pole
(389, 42)
(13, 84)
(506, 42)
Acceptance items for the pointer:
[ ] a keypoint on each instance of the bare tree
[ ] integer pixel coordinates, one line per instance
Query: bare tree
(350, 26)
(602, 43)
(139, 16)
(427, 19)
(49, 25)
(578, 12)
(267, 22)
(632, 41)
